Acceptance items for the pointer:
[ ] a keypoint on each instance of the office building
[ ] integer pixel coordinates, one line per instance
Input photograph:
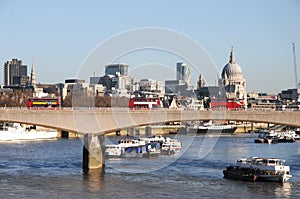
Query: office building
(183, 73)
(116, 69)
(15, 73)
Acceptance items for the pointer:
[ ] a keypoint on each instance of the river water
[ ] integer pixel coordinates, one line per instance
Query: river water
(52, 169)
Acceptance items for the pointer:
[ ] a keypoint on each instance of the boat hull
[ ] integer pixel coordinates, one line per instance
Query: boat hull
(209, 130)
(246, 174)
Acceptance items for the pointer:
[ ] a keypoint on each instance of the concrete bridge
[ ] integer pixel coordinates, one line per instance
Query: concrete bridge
(94, 123)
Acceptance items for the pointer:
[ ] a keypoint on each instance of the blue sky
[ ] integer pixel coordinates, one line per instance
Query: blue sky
(59, 35)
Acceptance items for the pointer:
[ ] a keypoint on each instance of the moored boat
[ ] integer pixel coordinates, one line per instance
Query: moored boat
(16, 132)
(213, 128)
(276, 137)
(171, 146)
(143, 147)
(259, 169)
(113, 150)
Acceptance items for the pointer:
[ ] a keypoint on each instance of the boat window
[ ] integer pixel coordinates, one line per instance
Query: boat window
(272, 161)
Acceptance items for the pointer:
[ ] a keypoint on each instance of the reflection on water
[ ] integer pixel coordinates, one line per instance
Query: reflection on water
(94, 178)
(278, 190)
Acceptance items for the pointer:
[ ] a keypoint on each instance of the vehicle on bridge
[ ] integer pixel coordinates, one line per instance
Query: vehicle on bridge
(144, 103)
(226, 103)
(43, 103)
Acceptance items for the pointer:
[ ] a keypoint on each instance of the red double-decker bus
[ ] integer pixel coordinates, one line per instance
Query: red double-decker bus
(144, 103)
(43, 103)
(227, 103)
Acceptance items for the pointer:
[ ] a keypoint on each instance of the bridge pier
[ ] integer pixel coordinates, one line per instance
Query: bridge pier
(93, 152)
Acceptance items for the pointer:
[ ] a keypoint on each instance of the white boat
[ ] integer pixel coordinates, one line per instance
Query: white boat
(156, 139)
(267, 137)
(213, 128)
(277, 137)
(171, 146)
(259, 169)
(131, 143)
(17, 132)
(145, 147)
(113, 150)
(125, 148)
(151, 152)
(288, 136)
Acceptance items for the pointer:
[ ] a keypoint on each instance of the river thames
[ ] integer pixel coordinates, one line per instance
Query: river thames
(53, 169)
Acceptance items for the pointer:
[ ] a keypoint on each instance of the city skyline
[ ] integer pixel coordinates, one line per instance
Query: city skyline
(58, 36)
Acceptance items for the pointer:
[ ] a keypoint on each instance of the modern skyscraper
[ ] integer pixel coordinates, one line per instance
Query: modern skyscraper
(183, 73)
(15, 73)
(116, 69)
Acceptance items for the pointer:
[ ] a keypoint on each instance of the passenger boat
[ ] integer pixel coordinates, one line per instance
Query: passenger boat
(288, 136)
(113, 150)
(15, 132)
(216, 129)
(131, 147)
(272, 137)
(213, 128)
(152, 153)
(171, 146)
(267, 137)
(259, 169)
(143, 147)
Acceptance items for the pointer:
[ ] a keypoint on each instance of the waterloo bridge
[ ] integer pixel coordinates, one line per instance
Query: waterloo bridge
(93, 123)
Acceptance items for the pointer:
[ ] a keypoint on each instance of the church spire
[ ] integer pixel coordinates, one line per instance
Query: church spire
(32, 78)
(232, 59)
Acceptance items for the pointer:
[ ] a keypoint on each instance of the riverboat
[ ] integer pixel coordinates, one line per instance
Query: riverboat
(267, 137)
(15, 132)
(113, 150)
(212, 128)
(143, 147)
(171, 146)
(259, 169)
(152, 153)
(272, 137)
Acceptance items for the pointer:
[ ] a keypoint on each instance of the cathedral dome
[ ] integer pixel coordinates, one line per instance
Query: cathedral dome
(232, 70)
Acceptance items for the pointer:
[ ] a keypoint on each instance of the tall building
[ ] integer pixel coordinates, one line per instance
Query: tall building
(116, 69)
(183, 73)
(201, 82)
(233, 80)
(15, 73)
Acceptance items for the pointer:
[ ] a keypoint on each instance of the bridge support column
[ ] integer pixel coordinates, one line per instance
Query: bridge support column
(93, 152)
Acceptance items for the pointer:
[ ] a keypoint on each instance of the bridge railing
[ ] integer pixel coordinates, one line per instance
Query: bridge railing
(127, 109)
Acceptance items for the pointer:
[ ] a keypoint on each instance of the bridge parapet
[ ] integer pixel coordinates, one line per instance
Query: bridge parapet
(101, 121)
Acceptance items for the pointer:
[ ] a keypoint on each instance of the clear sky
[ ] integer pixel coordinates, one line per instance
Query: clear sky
(59, 35)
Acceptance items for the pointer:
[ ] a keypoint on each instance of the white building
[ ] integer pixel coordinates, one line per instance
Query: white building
(233, 80)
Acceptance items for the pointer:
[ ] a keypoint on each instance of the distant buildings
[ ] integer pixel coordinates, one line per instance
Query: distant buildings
(116, 69)
(262, 101)
(289, 95)
(231, 90)
(230, 93)
(181, 85)
(15, 73)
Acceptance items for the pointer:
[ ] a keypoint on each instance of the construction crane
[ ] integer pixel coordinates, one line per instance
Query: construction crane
(296, 74)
